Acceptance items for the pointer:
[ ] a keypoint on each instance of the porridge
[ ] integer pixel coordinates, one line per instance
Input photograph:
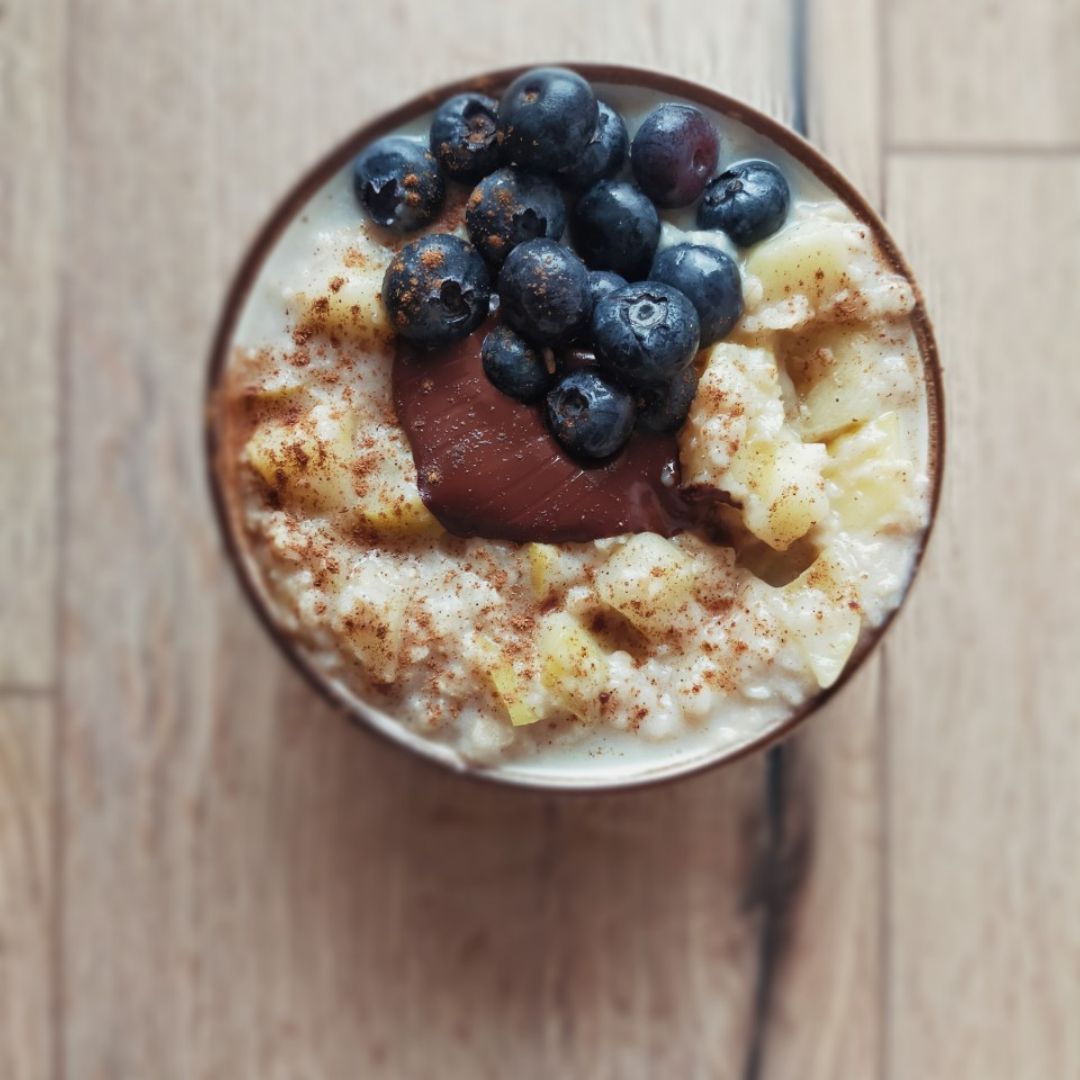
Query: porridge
(617, 453)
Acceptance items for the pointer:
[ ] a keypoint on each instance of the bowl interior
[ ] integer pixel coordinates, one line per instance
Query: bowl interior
(631, 762)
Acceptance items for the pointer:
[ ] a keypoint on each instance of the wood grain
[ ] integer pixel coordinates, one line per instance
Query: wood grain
(31, 243)
(827, 1017)
(249, 887)
(375, 917)
(984, 73)
(282, 896)
(984, 694)
(844, 94)
(27, 888)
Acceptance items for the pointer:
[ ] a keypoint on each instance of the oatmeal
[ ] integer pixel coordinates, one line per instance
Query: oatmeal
(759, 515)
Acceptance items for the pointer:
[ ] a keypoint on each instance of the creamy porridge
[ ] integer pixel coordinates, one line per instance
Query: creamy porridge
(802, 463)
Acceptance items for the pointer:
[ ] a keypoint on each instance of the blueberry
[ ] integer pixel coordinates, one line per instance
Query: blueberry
(397, 181)
(436, 290)
(509, 207)
(749, 201)
(617, 228)
(602, 282)
(645, 333)
(710, 279)
(674, 153)
(590, 416)
(544, 292)
(663, 410)
(463, 136)
(513, 366)
(547, 117)
(604, 154)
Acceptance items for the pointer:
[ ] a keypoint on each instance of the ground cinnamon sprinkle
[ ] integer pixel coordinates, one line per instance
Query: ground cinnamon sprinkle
(431, 259)
(513, 620)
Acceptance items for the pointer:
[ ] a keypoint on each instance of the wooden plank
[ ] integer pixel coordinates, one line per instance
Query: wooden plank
(983, 695)
(31, 243)
(972, 73)
(844, 89)
(252, 888)
(370, 916)
(827, 1014)
(27, 894)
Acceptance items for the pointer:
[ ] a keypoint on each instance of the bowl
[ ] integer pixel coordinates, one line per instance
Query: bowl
(518, 774)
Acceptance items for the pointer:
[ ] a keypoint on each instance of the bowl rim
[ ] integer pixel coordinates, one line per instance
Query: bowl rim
(335, 159)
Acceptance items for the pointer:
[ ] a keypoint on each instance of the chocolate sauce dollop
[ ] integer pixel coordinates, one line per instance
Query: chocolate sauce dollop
(489, 467)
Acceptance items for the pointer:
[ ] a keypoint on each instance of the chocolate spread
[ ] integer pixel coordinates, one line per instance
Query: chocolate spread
(489, 467)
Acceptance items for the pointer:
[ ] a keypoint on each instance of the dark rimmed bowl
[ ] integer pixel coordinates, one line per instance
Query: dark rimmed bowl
(229, 511)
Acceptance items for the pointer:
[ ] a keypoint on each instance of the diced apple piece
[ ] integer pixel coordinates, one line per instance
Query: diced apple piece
(313, 464)
(284, 388)
(824, 267)
(508, 687)
(386, 498)
(824, 618)
(842, 397)
(737, 386)
(370, 617)
(872, 476)
(736, 441)
(829, 642)
(406, 516)
(809, 258)
(791, 500)
(846, 377)
(506, 682)
(648, 580)
(349, 307)
(307, 461)
(549, 569)
(573, 665)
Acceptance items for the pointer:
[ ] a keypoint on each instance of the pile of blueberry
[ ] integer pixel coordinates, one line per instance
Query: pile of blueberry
(549, 152)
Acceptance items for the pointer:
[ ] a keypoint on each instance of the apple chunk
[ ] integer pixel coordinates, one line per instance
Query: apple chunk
(649, 581)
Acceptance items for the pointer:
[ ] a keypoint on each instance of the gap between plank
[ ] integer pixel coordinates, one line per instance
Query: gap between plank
(1017, 150)
(884, 85)
(63, 337)
(798, 66)
(775, 897)
(16, 692)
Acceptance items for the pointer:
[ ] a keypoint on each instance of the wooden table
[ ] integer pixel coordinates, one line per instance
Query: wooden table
(202, 874)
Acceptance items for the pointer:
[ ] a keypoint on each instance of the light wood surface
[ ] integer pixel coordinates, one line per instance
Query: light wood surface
(28, 886)
(985, 819)
(972, 74)
(203, 874)
(31, 287)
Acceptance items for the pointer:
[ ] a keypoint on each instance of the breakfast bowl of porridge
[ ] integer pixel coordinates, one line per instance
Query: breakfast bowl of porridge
(575, 429)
